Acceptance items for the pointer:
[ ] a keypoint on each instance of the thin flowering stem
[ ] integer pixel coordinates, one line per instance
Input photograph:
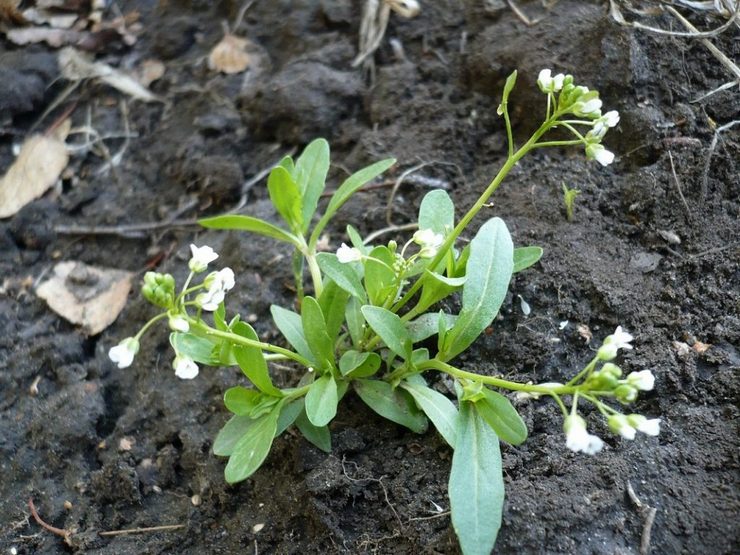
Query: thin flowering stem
(316, 277)
(572, 130)
(559, 143)
(149, 324)
(560, 403)
(185, 285)
(586, 371)
(239, 340)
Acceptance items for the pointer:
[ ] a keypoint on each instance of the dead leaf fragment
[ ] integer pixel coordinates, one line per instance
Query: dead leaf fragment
(149, 71)
(230, 55)
(700, 347)
(39, 164)
(585, 332)
(89, 296)
(682, 349)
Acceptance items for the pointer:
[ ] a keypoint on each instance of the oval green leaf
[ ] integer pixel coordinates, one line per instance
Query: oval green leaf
(500, 415)
(322, 400)
(252, 449)
(393, 404)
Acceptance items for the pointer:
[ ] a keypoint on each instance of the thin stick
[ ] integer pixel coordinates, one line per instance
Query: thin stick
(649, 513)
(678, 187)
(521, 15)
(712, 146)
(390, 229)
(241, 14)
(163, 528)
(66, 534)
(394, 190)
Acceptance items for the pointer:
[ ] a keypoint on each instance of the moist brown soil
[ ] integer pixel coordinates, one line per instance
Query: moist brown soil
(380, 490)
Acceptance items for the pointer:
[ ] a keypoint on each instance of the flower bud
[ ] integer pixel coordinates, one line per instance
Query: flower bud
(625, 393)
(612, 369)
(178, 323)
(647, 426)
(607, 352)
(159, 289)
(619, 424)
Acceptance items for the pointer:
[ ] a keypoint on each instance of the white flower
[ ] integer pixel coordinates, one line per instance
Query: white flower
(218, 283)
(178, 323)
(588, 108)
(522, 395)
(347, 254)
(202, 257)
(610, 119)
(123, 354)
(619, 424)
(549, 84)
(600, 154)
(649, 427)
(578, 439)
(620, 338)
(643, 380)
(429, 241)
(185, 368)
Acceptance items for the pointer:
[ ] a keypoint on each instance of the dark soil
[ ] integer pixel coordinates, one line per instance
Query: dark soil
(617, 263)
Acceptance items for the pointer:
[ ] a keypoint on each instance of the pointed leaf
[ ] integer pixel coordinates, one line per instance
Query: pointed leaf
(359, 365)
(440, 410)
(344, 275)
(230, 434)
(488, 273)
(286, 197)
(319, 436)
(390, 328)
(393, 404)
(252, 362)
(241, 401)
(248, 223)
(252, 449)
(355, 321)
(426, 325)
(199, 349)
(288, 415)
(524, 257)
(322, 400)
(317, 336)
(289, 324)
(380, 279)
(310, 176)
(333, 302)
(476, 486)
(500, 415)
(437, 212)
(437, 287)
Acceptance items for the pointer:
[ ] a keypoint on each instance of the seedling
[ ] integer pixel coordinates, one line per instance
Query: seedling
(369, 309)
(569, 200)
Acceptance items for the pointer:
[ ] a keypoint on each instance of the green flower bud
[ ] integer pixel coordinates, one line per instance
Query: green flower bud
(607, 352)
(159, 289)
(625, 394)
(473, 391)
(612, 369)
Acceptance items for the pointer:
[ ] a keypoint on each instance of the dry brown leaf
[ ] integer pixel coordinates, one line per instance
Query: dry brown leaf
(89, 296)
(700, 347)
(230, 55)
(149, 71)
(38, 166)
(9, 12)
(585, 332)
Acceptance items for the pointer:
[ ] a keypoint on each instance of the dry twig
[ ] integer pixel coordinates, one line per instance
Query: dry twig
(648, 514)
(66, 534)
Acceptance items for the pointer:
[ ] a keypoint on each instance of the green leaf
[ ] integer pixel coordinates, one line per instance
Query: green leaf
(317, 336)
(426, 325)
(248, 223)
(310, 176)
(476, 486)
(488, 273)
(286, 197)
(241, 401)
(290, 325)
(251, 450)
(440, 410)
(359, 365)
(288, 414)
(344, 275)
(252, 362)
(356, 239)
(524, 257)
(287, 163)
(333, 302)
(219, 318)
(393, 404)
(199, 349)
(437, 212)
(319, 436)
(230, 434)
(355, 321)
(322, 400)
(390, 328)
(500, 415)
(437, 287)
(380, 279)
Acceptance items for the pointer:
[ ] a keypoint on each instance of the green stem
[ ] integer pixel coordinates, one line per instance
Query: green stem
(239, 340)
(587, 370)
(435, 364)
(557, 143)
(150, 323)
(184, 287)
(313, 268)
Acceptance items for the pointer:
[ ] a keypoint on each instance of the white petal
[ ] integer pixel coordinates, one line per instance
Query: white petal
(202, 257)
(611, 118)
(185, 368)
(346, 254)
(650, 427)
(643, 380)
(604, 156)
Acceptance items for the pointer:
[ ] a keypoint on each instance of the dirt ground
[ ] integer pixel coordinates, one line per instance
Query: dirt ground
(654, 247)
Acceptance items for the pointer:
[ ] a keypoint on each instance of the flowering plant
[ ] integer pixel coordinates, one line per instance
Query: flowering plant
(366, 319)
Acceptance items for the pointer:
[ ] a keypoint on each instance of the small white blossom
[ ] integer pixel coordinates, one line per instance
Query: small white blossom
(202, 257)
(578, 439)
(346, 254)
(620, 338)
(643, 380)
(588, 108)
(611, 118)
(548, 83)
(429, 241)
(178, 323)
(600, 154)
(218, 283)
(185, 368)
(647, 426)
(619, 424)
(123, 354)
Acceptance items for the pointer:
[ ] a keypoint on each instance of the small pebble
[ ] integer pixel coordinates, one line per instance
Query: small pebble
(196, 500)
(257, 527)
(68, 505)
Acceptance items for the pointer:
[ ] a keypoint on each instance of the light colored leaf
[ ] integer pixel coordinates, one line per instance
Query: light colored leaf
(344, 275)
(252, 449)
(290, 325)
(476, 486)
(424, 326)
(230, 434)
(390, 328)
(359, 365)
(333, 302)
(310, 176)
(315, 332)
(380, 279)
(252, 361)
(319, 436)
(390, 403)
(524, 257)
(89, 296)
(440, 410)
(248, 223)
(39, 164)
(322, 400)
(286, 197)
(500, 415)
(437, 212)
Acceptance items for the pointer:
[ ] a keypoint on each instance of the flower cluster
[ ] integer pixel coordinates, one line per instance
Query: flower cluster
(429, 241)
(583, 103)
(159, 289)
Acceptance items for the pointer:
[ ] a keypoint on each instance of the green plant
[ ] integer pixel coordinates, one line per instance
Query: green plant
(369, 308)
(569, 200)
